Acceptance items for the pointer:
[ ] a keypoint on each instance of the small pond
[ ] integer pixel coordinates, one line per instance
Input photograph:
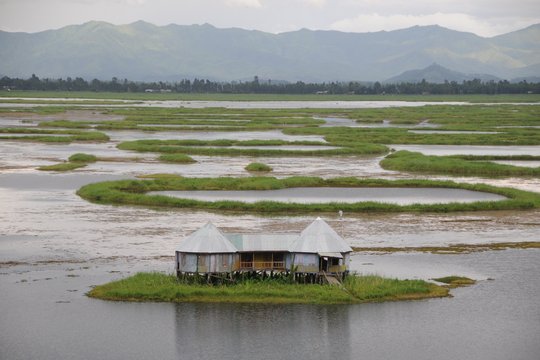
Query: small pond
(401, 196)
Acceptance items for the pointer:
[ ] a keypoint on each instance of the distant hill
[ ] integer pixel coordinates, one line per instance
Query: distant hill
(438, 74)
(142, 51)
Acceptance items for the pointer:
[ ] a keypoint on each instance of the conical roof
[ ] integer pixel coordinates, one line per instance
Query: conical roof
(319, 237)
(207, 239)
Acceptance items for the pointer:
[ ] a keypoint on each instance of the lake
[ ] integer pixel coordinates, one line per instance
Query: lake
(49, 317)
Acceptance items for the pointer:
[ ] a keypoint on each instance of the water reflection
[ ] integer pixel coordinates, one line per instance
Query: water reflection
(229, 331)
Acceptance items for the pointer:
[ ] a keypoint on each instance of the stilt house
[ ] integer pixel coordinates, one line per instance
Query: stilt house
(317, 249)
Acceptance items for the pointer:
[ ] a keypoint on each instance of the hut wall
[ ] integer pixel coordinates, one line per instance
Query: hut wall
(347, 260)
(306, 262)
(186, 262)
(288, 259)
(216, 263)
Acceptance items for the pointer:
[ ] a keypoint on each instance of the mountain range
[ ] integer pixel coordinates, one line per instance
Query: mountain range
(142, 51)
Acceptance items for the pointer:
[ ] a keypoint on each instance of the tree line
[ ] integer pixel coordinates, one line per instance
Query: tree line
(257, 86)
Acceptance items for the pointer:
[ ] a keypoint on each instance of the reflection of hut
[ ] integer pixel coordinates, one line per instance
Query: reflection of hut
(317, 250)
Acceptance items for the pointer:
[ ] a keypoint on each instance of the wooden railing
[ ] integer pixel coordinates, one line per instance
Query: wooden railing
(262, 265)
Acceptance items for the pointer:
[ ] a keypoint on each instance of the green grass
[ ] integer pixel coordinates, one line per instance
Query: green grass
(452, 165)
(75, 161)
(177, 158)
(133, 192)
(357, 289)
(83, 158)
(270, 97)
(221, 148)
(53, 136)
(66, 166)
(455, 281)
(65, 124)
(258, 167)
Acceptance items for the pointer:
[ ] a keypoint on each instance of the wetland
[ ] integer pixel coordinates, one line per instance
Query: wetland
(55, 246)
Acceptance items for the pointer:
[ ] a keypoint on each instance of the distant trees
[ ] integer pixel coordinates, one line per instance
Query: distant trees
(257, 86)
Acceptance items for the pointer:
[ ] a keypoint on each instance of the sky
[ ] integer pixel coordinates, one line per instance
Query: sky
(483, 17)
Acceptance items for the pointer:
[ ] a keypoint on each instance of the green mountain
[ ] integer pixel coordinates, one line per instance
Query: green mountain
(436, 73)
(142, 51)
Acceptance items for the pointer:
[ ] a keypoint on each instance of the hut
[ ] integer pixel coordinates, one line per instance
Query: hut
(317, 250)
(206, 251)
(320, 249)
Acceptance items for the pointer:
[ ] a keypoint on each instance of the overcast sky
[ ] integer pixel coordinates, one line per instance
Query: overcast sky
(483, 17)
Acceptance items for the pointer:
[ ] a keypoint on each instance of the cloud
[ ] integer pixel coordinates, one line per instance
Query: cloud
(244, 3)
(457, 21)
(317, 3)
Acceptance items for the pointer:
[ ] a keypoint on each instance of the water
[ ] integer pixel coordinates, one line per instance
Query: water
(479, 322)
(323, 104)
(524, 163)
(335, 121)
(314, 195)
(128, 135)
(54, 246)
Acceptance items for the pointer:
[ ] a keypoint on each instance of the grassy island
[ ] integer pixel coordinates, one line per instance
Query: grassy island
(258, 167)
(416, 162)
(134, 192)
(75, 161)
(51, 136)
(356, 289)
(255, 148)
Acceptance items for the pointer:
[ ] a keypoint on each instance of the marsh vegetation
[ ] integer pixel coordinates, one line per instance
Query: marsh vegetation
(356, 289)
(133, 192)
(455, 165)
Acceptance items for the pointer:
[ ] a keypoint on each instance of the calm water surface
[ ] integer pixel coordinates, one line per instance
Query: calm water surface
(48, 317)
(401, 196)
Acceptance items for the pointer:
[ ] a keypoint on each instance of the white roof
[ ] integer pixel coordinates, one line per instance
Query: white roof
(262, 242)
(207, 239)
(319, 237)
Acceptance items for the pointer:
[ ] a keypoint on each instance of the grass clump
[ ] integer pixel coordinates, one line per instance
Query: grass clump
(258, 167)
(376, 288)
(52, 136)
(75, 161)
(452, 165)
(177, 158)
(64, 124)
(66, 166)
(455, 281)
(356, 289)
(82, 158)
